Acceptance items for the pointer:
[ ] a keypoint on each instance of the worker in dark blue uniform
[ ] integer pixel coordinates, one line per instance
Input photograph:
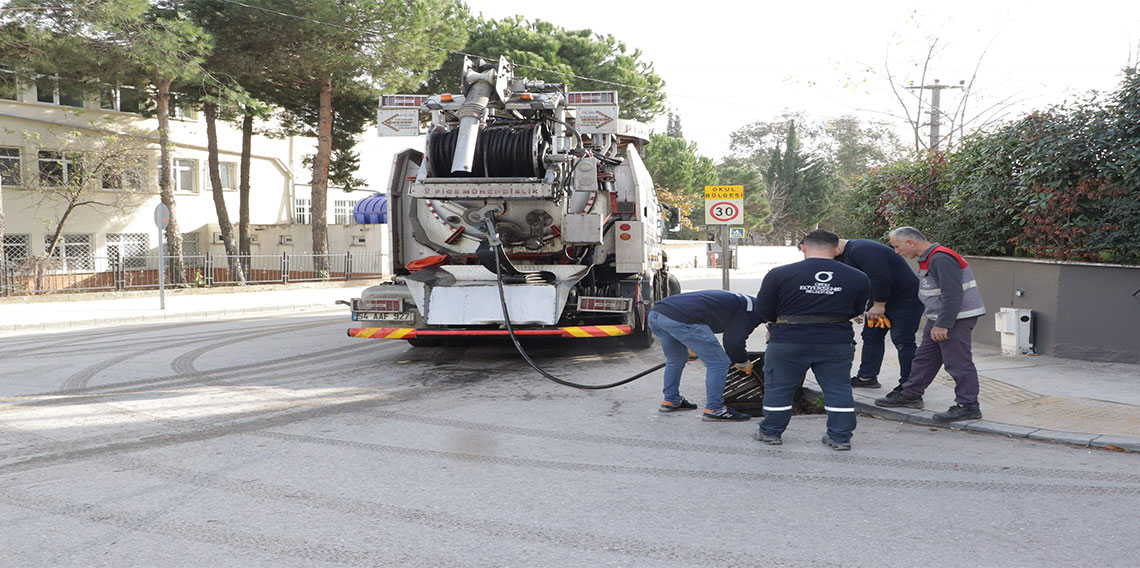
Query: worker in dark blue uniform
(808, 306)
(895, 308)
(687, 322)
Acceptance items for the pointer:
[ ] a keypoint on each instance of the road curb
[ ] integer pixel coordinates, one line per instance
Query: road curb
(925, 418)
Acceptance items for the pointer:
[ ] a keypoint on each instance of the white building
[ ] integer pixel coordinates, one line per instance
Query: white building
(39, 126)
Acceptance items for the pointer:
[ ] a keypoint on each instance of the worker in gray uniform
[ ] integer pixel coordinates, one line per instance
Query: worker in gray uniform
(948, 289)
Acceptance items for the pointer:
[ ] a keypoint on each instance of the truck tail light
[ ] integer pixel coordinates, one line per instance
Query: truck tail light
(612, 305)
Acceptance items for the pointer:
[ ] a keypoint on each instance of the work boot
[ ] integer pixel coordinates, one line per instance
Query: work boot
(837, 446)
(865, 382)
(898, 399)
(770, 440)
(957, 413)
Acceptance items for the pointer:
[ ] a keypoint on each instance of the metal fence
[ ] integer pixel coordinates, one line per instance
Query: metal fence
(109, 273)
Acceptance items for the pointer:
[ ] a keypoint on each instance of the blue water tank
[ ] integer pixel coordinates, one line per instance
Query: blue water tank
(371, 210)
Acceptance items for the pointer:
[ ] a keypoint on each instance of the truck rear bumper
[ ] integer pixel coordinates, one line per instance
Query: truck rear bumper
(585, 331)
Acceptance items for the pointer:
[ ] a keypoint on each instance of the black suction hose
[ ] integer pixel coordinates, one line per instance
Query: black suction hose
(511, 330)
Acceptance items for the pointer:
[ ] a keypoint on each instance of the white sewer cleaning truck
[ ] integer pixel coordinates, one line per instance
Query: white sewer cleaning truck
(528, 202)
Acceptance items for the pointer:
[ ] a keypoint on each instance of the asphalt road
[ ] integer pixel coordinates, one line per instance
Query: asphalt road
(281, 442)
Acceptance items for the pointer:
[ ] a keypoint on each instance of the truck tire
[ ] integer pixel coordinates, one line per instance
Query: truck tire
(673, 286)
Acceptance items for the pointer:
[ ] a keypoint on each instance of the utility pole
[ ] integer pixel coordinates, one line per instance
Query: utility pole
(935, 113)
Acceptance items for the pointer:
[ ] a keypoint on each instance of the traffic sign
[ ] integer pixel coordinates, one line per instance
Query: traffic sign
(161, 216)
(736, 232)
(724, 204)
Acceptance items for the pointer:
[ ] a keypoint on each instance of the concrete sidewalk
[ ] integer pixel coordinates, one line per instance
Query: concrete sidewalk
(1029, 396)
(1038, 397)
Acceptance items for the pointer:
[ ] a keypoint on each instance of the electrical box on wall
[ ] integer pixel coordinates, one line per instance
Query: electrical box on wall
(1015, 326)
(285, 240)
(218, 239)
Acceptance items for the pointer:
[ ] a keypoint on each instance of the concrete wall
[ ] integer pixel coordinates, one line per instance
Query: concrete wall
(1080, 310)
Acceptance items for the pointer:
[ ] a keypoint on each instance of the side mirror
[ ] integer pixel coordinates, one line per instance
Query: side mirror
(672, 218)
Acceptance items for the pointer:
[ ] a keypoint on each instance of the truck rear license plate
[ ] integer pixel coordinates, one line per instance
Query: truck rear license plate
(380, 316)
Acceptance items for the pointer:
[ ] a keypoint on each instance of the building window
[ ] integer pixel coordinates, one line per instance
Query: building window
(342, 211)
(190, 244)
(10, 166)
(123, 176)
(74, 252)
(16, 247)
(123, 99)
(53, 89)
(176, 109)
(228, 171)
(45, 89)
(303, 211)
(186, 175)
(128, 249)
(58, 169)
(8, 89)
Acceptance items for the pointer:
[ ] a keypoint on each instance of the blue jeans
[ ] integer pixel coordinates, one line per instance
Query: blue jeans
(786, 365)
(676, 340)
(904, 326)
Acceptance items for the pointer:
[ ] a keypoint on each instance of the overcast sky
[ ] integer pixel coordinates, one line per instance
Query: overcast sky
(728, 63)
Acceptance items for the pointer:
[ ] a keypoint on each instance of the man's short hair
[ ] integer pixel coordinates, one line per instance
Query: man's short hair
(908, 233)
(821, 238)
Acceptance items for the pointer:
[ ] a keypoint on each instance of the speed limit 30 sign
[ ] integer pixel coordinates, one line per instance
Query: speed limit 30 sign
(724, 204)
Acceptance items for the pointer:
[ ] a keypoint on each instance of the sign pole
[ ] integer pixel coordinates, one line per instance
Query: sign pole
(724, 206)
(161, 220)
(161, 275)
(726, 256)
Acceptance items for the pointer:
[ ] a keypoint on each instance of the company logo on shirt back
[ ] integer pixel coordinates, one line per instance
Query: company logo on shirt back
(822, 284)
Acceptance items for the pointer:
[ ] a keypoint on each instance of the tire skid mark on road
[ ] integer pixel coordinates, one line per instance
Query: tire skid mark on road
(264, 544)
(270, 493)
(278, 415)
(190, 429)
(188, 426)
(827, 480)
(158, 337)
(80, 378)
(183, 365)
(94, 392)
(784, 454)
(76, 338)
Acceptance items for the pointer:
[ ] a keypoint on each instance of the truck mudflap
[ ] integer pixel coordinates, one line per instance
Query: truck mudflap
(585, 331)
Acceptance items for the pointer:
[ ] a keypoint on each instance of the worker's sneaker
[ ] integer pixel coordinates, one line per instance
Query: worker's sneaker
(957, 413)
(770, 440)
(865, 383)
(837, 446)
(667, 406)
(898, 399)
(725, 414)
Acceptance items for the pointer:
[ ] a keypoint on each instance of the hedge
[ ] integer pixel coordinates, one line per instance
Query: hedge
(1062, 183)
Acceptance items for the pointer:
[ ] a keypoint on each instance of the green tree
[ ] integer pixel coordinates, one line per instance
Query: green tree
(568, 55)
(238, 63)
(332, 58)
(801, 184)
(121, 42)
(680, 174)
(757, 209)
